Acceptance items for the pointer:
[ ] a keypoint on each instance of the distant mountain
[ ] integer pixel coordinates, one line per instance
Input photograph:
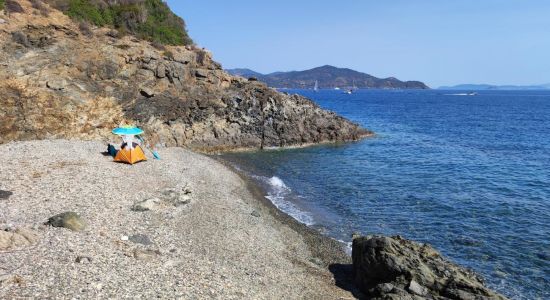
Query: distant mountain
(328, 77)
(481, 87)
(244, 73)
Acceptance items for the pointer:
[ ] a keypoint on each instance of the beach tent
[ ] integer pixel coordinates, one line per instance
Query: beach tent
(130, 151)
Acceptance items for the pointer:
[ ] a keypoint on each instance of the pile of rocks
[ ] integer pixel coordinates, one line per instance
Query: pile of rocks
(396, 268)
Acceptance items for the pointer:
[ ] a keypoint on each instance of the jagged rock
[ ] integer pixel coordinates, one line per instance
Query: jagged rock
(201, 73)
(147, 92)
(69, 220)
(148, 204)
(2, 21)
(417, 289)
(161, 71)
(19, 238)
(395, 268)
(5, 194)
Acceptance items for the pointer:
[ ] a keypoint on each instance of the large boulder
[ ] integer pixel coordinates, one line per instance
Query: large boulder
(396, 268)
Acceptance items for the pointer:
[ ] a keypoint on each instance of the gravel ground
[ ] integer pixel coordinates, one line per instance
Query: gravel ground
(225, 244)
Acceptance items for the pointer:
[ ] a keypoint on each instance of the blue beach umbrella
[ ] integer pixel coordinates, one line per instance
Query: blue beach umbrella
(130, 130)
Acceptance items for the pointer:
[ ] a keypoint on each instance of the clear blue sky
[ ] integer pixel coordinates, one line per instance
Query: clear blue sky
(440, 42)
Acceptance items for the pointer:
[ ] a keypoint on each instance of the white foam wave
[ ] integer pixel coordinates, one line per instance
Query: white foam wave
(348, 246)
(279, 193)
(461, 94)
(277, 183)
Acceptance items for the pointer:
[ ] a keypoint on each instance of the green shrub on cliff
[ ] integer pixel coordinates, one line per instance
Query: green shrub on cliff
(148, 19)
(2, 4)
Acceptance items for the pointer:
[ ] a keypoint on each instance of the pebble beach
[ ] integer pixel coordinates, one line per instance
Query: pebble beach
(185, 226)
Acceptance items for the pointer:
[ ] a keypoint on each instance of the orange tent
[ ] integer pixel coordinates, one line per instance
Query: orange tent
(130, 156)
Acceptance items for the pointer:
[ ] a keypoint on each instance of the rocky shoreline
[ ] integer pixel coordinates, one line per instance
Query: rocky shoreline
(383, 267)
(76, 224)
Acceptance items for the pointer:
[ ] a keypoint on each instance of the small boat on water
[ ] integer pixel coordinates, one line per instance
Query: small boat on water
(349, 92)
(316, 87)
(336, 88)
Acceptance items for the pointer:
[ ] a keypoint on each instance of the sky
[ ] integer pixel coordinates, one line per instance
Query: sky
(440, 42)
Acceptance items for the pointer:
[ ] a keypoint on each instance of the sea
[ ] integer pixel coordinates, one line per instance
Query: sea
(466, 173)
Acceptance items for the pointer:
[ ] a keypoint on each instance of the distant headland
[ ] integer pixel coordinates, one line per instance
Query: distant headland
(328, 77)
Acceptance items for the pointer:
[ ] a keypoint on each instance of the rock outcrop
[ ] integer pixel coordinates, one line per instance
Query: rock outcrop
(396, 268)
(56, 82)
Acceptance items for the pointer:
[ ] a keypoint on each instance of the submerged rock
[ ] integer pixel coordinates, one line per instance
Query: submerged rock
(396, 268)
(69, 220)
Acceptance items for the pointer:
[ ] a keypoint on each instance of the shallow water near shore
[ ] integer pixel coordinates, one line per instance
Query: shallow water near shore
(467, 174)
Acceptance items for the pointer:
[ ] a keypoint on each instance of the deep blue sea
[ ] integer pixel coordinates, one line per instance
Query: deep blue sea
(468, 174)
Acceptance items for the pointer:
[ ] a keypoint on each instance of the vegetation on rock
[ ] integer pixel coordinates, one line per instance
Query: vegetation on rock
(148, 19)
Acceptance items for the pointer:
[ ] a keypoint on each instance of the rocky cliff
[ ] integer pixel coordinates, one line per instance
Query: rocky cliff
(59, 80)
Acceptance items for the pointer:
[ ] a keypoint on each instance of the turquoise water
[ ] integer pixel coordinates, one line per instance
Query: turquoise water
(467, 174)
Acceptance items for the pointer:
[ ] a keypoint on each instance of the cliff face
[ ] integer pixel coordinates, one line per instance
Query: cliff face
(58, 81)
